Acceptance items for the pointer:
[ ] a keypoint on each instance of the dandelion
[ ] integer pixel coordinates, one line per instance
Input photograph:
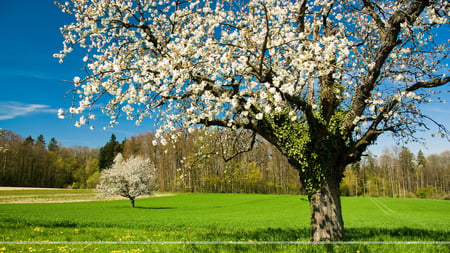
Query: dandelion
(62, 248)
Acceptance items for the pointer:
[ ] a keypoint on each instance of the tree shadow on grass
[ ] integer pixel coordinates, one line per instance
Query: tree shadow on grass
(143, 207)
(154, 208)
(393, 234)
(351, 234)
(267, 234)
(17, 223)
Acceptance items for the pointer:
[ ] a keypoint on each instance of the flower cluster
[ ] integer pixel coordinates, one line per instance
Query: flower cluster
(215, 63)
(129, 178)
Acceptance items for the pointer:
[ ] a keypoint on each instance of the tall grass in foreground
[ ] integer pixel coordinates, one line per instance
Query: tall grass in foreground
(225, 248)
(241, 218)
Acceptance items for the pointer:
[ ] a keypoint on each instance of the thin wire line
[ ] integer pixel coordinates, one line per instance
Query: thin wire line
(224, 242)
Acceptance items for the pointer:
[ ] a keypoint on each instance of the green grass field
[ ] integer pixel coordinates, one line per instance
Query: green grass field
(238, 222)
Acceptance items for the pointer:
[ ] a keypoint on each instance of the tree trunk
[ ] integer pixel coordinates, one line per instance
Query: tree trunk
(132, 202)
(326, 213)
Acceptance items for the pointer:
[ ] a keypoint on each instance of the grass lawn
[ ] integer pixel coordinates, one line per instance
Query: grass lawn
(248, 221)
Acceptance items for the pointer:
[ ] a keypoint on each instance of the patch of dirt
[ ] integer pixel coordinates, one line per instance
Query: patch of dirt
(59, 198)
(7, 188)
(32, 201)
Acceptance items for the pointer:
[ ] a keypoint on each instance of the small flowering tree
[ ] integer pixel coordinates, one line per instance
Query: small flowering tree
(129, 178)
(319, 79)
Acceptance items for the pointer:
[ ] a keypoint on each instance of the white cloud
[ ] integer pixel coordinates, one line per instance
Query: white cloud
(11, 110)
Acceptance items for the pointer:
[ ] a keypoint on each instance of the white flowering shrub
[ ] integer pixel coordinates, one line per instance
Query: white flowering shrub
(319, 79)
(129, 178)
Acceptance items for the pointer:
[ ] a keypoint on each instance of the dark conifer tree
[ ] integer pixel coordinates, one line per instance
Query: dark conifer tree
(108, 152)
(40, 141)
(53, 145)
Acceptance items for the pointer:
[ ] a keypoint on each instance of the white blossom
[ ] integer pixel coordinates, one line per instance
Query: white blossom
(128, 178)
(61, 113)
(259, 116)
(202, 61)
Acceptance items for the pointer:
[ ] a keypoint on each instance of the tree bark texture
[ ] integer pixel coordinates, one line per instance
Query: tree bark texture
(132, 202)
(326, 212)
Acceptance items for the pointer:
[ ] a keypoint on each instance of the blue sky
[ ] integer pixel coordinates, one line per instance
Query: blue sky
(31, 80)
(32, 86)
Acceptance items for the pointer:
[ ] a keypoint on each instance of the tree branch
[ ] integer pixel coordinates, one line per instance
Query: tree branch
(298, 102)
(325, 13)
(372, 133)
(369, 6)
(240, 151)
(389, 41)
(266, 39)
(301, 16)
(429, 84)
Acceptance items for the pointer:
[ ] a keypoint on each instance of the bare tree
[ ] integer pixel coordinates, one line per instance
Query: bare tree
(3, 149)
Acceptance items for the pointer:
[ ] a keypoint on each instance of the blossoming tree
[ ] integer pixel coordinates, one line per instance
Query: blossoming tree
(320, 80)
(129, 178)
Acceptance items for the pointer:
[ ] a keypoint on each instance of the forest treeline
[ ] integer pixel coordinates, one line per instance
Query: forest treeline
(34, 162)
(214, 161)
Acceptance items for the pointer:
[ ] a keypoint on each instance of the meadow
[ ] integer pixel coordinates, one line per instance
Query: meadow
(234, 222)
